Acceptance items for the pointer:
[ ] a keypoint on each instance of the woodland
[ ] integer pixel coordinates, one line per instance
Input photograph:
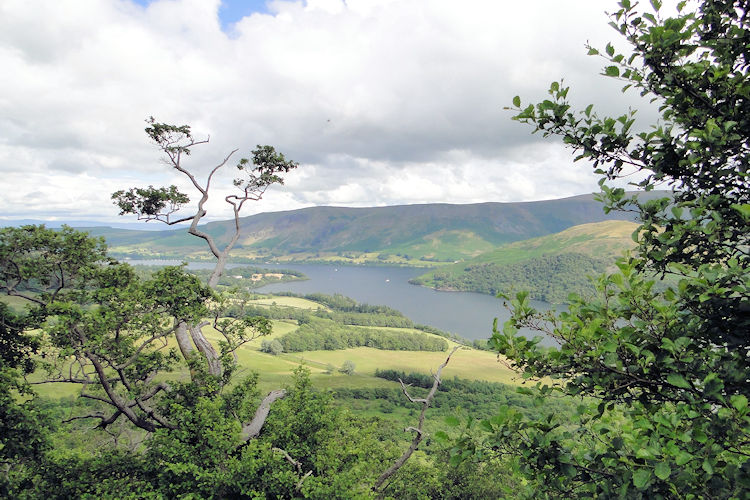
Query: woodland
(645, 397)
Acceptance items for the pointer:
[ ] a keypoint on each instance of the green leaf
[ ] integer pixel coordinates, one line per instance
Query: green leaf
(683, 457)
(517, 101)
(739, 402)
(662, 471)
(641, 478)
(569, 470)
(678, 380)
(613, 71)
(743, 209)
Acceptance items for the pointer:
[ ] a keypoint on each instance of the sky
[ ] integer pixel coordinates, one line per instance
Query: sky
(382, 102)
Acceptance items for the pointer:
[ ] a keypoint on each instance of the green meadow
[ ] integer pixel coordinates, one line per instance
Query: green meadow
(276, 370)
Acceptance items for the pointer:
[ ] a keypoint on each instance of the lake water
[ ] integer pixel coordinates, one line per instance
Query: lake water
(466, 314)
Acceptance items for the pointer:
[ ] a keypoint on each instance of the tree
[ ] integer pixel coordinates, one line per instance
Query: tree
(271, 347)
(347, 368)
(176, 142)
(108, 329)
(23, 428)
(662, 374)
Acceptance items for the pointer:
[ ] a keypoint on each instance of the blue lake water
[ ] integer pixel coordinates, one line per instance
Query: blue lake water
(466, 314)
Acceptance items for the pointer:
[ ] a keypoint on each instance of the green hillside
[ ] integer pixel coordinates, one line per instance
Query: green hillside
(550, 267)
(409, 234)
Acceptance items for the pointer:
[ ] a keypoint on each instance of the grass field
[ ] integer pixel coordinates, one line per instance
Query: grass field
(15, 303)
(288, 302)
(276, 371)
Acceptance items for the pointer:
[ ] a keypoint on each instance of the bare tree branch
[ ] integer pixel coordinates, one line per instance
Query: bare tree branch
(252, 429)
(297, 464)
(418, 433)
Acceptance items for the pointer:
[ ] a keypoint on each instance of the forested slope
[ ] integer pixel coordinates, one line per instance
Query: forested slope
(549, 267)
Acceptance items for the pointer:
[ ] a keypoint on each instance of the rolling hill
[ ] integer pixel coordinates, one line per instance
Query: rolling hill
(549, 267)
(408, 234)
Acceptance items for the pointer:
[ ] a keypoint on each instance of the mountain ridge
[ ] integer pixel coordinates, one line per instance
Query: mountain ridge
(398, 234)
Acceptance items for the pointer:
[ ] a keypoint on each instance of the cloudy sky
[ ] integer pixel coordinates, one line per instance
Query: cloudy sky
(382, 102)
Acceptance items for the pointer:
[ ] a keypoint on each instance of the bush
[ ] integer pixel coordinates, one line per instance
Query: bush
(348, 367)
(271, 347)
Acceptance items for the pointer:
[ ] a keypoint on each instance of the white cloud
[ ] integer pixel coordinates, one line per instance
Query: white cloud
(383, 102)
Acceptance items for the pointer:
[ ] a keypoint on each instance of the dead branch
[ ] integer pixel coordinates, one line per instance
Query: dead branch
(289, 459)
(297, 464)
(252, 429)
(418, 433)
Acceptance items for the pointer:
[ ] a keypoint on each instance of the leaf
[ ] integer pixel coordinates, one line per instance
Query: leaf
(662, 471)
(641, 478)
(678, 380)
(613, 71)
(517, 101)
(683, 457)
(569, 470)
(743, 209)
(739, 402)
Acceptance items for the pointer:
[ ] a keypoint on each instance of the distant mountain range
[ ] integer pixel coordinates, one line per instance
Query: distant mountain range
(405, 234)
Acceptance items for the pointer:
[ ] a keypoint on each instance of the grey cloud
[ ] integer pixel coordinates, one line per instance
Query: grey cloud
(383, 102)
(67, 165)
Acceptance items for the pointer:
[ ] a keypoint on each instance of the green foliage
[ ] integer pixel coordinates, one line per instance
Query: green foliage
(271, 347)
(267, 164)
(549, 278)
(342, 453)
(150, 201)
(243, 276)
(549, 267)
(668, 369)
(342, 303)
(348, 367)
(176, 141)
(320, 334)
(308, 449)
(347, 311)
(478, 398)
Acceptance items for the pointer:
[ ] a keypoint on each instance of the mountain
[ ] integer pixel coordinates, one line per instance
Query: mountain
(405, 234)
(549, 267)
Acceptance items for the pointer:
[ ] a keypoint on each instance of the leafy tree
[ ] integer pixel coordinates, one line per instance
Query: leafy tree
(347, 367)
(23, 427)
(257, 174)
(271, 347)
(663, 373)
(113, 331)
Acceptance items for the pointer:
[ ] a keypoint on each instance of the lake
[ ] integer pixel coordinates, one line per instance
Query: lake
(466, 314)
